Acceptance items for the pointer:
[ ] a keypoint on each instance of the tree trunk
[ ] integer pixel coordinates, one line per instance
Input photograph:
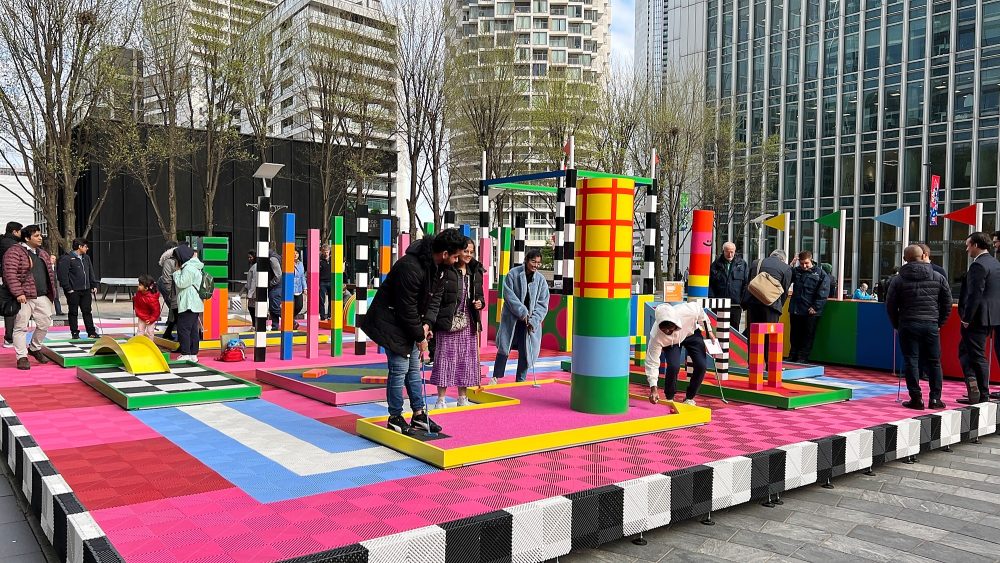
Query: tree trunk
(172, 197)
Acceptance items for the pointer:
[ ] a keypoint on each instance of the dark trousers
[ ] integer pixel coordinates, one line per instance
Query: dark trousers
(972, 356)
(921, 347)
(168, 331)
(8, 329)
(803, 334)
(694, 345)
(187, 333)
(735, 314)
(299, 301)
(324, 300)
(757, 313)
(517, 343)
(80, 301)
(274, 300)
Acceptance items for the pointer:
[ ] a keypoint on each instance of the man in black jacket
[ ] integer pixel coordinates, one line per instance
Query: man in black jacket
(11, 237)
(399, 321)
(76, 275)
(325, 282)
(979, 309)
(728, 278)
(810, 290)
(918, 302)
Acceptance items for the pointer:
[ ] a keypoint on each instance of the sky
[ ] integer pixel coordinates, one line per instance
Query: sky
(622, 31)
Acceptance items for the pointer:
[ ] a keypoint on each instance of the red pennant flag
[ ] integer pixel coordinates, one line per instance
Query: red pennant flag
(657, 157)
(965, 215)
(566, 148)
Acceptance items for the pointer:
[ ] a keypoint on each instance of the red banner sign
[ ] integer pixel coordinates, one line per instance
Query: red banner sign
(935, 187)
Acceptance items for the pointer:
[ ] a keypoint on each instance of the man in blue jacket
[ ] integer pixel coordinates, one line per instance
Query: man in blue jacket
(76, 275)
(810, 290)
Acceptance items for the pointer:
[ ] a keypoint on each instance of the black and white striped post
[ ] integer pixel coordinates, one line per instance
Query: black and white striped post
(266, 172)
(361, 264)
(519, 228)
(449, 219)
(557, 252)
(485, 254)
(649, 252)
(569, 246)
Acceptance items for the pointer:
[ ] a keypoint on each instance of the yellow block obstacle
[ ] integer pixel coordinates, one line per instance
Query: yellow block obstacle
(139, 354)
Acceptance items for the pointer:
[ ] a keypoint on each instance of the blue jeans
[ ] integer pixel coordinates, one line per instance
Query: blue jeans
(404, 370)
(518, 343)
(921, 347)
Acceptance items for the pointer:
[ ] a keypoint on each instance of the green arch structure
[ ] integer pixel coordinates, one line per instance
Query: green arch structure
(139, 354)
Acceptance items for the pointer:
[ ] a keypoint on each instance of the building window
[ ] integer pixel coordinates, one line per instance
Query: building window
(557, 24)
(847, 175)
(989, 91)
(505, 8)
(869, 117)
(965, 95)
(287, 102)
(961, 166)
(872, 39)
(851, 53)
(987, 169)
(941, 34)
(539, 38)
(540, 6)
(965, 37)
(522, 22)
(991, 24)
(558, 57)
(914, 104)
(286, 123)
(540, 23)
(939, 100)
(891, 100)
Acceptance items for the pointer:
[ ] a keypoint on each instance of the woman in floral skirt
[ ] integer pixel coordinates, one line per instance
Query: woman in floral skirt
(458, 302)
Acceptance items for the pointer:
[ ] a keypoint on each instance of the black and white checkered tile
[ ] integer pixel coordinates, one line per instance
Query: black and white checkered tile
(71, 529)
(180, 379)
(548, 528)
(68, 349)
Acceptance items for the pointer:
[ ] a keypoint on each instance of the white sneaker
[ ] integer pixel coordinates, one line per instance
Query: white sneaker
(8, 344)
(463, 401)
(493, 381)
(439, 405)
(690, 402)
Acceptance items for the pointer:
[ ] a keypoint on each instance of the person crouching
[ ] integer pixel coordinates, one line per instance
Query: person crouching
(677, 326)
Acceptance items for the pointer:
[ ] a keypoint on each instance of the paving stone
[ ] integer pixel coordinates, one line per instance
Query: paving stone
(593, 556)
(777, 513)
(870, 507)
(947, 554)
(970, 544)
(651, 552)
(718, 531)
(911, 492)
(685, 556)
(868, 550)
(819, 554)
(918, 531)
(740, 520)
(766, 542)
(821, 523)
(734, 552)
(799, 505)
(884, 538)
(16, 539)
(794, 532)
(675, 539)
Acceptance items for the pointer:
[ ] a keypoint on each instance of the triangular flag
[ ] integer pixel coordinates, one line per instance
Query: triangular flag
(776, 222)
(894, 218)
(566, 148)
(831, 220)
(965, 215)
(657, 157)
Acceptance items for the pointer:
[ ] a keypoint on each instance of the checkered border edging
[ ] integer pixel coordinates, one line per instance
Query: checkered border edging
(544, 529)
(70, 528)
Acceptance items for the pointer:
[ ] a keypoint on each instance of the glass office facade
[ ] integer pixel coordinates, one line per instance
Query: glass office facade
(870, 98)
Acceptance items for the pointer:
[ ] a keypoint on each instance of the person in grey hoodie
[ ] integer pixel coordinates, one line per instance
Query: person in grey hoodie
(168, 265)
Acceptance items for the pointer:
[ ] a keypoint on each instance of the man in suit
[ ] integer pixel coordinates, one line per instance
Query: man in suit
(979, 310)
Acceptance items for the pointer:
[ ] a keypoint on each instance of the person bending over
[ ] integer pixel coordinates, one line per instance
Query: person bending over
(676, 327)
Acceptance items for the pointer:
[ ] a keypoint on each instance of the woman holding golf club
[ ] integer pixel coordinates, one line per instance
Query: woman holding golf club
(525, 304)
(458, 300)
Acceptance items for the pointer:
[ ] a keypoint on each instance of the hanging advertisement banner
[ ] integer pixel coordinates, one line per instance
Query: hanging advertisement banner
(935, 188)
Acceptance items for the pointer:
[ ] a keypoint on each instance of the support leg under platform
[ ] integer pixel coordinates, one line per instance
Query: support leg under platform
(639, 540)
(828, 484)
(708, 519)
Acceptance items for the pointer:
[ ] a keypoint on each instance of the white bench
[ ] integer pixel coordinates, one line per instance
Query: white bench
(129, 284)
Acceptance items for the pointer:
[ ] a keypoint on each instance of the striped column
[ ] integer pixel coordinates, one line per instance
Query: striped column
(215, 256)
(361, 279)
(485, 250)
(720, 307)
(312, 297)
(288, 287)
(569, 245)
(519, 228)
(449, 219)
(336, 286)
(263, 265)
(701, 253)
(602, 297)
(557, 252)
(503, 266)
(649, 251)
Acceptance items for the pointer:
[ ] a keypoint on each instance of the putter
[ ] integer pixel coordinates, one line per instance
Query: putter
(423, 391)
(98, 326)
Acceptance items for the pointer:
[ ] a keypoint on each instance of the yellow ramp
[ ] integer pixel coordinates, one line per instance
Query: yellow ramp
(139, 354)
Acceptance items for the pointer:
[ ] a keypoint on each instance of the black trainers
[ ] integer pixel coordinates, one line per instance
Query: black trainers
(424, 422)
(935, 404)
(914, 404)
(39, 356)
(93, 335)
(74, 335)
(22, 363)
(399, 424)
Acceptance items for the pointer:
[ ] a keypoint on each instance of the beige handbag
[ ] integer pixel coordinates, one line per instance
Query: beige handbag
(764, 287)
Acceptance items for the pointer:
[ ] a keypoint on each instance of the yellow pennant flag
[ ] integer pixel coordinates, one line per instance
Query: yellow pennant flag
(777, 222)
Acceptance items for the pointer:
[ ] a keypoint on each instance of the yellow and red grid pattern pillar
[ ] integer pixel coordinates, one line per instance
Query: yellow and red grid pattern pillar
(337, 286)
(602, 296)
(288, 287)
(702, 223)
(774, 335)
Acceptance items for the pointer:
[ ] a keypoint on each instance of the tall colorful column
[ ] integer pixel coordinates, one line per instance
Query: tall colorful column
(503, 266)
(485, 248)
(384, 249)
(263, 265)
(361, 278)
(701, 253)
(602, 296)
(312, 297)
(288, 287)
(215, 256)
(336, 286)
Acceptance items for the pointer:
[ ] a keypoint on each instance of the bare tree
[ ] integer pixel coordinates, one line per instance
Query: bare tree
(257, 80)
(57, 55)
(621, 104)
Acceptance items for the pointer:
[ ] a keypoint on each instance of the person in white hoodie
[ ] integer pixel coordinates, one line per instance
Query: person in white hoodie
(677, 326)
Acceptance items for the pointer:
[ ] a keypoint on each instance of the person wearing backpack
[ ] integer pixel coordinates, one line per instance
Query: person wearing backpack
(187, 281)
(769, 281)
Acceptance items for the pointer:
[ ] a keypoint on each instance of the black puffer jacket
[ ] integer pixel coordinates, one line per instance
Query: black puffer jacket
(401, 306)
(445, 302)
(918, 295)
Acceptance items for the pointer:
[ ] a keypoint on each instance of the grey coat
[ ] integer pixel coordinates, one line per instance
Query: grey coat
(515, 289)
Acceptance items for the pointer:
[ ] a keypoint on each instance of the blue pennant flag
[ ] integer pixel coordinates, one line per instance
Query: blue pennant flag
(894, 218)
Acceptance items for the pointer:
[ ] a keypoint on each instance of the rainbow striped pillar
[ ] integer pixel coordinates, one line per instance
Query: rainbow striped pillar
(384, 249)
(336, 286)
(288, 287)
(503, 266)
(312, 297)
(602, 296)
(701, 253)
(215, 256)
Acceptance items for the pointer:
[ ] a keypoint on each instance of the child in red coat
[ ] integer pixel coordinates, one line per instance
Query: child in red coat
(147, 305)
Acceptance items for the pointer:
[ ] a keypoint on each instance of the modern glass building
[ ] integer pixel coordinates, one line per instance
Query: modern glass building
(871, 98)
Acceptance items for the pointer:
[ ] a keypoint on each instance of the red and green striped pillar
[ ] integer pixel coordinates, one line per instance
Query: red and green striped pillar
(602, 296)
